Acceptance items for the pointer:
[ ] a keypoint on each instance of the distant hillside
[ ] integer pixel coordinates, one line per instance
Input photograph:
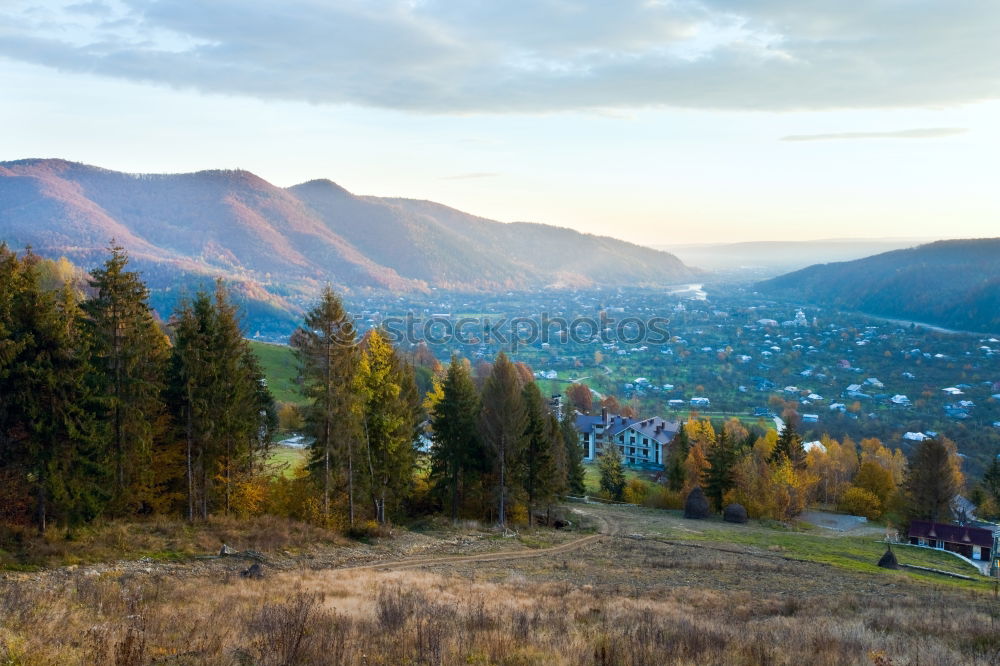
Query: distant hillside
(279, 245)
(955, 284)
(767, 258)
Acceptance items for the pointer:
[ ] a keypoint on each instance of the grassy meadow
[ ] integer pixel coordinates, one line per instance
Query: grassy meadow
(279, 366)
(656, 589)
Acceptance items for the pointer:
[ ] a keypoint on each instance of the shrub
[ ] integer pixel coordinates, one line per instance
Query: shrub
(368, 529)
(661, 497)
(279, 632)
(394, 606)
(635, 491)
(517, 514)
(861, 502)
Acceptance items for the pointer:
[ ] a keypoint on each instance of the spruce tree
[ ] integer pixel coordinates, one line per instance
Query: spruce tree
(240, 405)
(222, 407)
(502, 422)
(560, 461)
(47, 436)
(457, 452)
(189, 373)
(575, 473)
(326, 350)
(933, 480)
(612, 473)
(991, 480)
(789, 447)
(719, 478)
(537, 468)
(129, 354)
(679, 449)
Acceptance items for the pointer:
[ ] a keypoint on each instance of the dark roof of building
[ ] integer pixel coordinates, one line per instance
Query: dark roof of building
(974, 536)
(655, 428)
(618, 423)
(585, 422)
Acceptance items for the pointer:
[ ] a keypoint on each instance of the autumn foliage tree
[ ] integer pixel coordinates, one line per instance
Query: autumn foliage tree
(388, 424)
(580, 398)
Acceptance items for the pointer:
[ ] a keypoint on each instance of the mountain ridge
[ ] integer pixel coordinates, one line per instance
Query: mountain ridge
(950, 283)
(290, 241)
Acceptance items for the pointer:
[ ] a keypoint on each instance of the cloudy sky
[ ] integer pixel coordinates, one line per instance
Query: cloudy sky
(657, 121)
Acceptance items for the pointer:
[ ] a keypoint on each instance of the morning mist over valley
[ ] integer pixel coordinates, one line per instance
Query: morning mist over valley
(457, 332)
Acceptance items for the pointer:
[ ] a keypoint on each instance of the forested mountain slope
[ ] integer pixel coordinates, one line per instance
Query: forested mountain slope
(955, 284)
(286, 242)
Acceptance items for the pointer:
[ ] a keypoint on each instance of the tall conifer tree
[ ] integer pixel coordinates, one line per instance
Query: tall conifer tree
(612, 473)
(129, 355)
(575, 473)
(326, 349)
(934, 478)
(47, 438)
(679, 449)
(502, 422)
(221, 404)
(789, 446)
(537, 465)
(719, 477)
(457, 453)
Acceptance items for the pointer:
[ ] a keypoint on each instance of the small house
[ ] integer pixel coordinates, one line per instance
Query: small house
(975, 543)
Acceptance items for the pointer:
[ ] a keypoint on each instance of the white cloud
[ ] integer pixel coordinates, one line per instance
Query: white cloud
(916, 133)
(463, 56)
(473, 175)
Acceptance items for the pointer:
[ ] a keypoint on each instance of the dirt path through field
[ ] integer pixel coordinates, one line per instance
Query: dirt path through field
(606, 529)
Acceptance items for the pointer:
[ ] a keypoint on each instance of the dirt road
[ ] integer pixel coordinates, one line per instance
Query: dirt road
(606, 529)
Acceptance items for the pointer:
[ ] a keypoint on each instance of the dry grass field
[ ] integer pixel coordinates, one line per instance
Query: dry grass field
(653, 590)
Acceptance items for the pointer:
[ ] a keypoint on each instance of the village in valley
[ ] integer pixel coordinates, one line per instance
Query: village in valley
(727, 358)
(730, 353)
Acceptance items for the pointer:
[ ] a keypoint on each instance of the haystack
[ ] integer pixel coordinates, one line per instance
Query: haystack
(735, 513)
(888, 560)
(696, 504)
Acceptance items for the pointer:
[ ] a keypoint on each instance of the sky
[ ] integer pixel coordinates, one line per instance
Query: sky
(657, 121)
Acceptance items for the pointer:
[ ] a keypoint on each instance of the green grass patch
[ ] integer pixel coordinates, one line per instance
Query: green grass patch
(534, 541)
(280, 369)
(592, 477)
(287, 458)
(856, 553)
